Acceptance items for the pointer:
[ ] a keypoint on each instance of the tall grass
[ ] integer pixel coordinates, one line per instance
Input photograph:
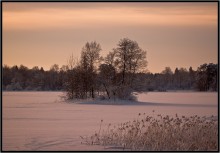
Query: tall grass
(160, 133)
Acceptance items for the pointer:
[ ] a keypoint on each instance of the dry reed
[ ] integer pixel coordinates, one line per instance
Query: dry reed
(160, 133)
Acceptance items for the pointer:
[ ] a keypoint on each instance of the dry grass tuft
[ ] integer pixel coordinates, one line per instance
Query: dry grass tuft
(161, 133)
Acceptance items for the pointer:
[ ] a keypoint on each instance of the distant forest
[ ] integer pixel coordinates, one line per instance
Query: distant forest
(117, 75)
(19, 78)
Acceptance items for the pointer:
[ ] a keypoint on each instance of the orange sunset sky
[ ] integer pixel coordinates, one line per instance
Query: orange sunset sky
(174, 34)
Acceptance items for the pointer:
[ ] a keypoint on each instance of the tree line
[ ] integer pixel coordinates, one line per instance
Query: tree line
(119, 74)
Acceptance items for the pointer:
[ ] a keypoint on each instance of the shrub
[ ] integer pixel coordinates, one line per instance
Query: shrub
(161, 133)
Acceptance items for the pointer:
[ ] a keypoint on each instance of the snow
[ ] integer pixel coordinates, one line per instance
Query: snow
(43, 121)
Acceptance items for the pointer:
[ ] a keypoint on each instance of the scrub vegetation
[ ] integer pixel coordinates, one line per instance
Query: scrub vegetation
(160, 133)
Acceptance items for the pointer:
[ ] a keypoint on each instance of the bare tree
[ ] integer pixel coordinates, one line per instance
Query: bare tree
(107, 76)
(70, 84)
(206, 77)
(128, 59)
(71, 63)
(82, 75)
(90, 57)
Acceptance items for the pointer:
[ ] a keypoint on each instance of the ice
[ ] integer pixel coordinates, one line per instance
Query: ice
(43, 121)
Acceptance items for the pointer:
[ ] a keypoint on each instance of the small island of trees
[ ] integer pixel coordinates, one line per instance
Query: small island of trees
(119, 74)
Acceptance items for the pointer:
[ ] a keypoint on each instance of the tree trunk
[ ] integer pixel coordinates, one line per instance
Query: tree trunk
(123, 73)
(93, 96)
(106, 91)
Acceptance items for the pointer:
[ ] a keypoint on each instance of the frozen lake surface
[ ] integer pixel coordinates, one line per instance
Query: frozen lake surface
(42, 121)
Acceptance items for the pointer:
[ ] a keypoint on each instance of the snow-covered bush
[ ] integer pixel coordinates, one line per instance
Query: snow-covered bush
(14, 86)
(28, 88)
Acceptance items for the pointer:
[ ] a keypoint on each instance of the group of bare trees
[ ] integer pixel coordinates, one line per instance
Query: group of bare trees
(205, 78)
(37, 79)
(107, 77)
(81, 80)
(117, 75)
(180, 79)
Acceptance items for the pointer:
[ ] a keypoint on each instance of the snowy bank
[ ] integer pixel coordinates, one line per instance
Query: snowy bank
(104, 102)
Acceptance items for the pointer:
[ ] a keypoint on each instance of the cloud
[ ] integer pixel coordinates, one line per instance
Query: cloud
(88, 15)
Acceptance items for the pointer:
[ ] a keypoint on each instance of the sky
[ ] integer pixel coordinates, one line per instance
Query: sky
(173, 34)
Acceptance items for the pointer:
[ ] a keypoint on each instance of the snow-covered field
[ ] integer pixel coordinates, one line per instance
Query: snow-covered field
(42, 121)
